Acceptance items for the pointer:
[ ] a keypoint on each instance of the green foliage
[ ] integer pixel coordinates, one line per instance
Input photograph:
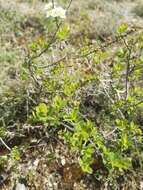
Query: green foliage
(86, 160)
(15, 154)
(122, 28)
(112, 130)
(63, 32)
(87, 91)
(3, 161)
(2, 131)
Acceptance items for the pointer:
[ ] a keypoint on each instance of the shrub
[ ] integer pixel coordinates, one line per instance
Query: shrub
(111, 130)
(90, 97)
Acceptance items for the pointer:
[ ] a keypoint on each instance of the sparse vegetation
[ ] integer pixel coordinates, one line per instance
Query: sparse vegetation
(138, 10)
(71, 100)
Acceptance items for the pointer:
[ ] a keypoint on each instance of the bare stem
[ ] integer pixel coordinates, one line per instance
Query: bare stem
(127, 68)
(2, 141)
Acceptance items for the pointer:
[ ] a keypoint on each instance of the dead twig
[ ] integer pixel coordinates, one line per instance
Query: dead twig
(2, 141)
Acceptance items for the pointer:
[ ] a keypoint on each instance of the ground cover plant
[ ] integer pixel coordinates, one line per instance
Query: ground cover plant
(84, 95)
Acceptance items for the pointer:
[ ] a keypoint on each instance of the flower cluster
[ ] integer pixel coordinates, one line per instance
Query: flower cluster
(55, 11)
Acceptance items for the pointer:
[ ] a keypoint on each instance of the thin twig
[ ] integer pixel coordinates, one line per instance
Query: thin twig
(112, 101)
(110, 133)
(53, 39)
(54, 63)
(67, 127)
(117, 39)
(5, 144)
(127, 68)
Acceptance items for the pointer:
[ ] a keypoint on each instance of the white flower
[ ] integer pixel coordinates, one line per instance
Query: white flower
(49, 6)
(55, 12)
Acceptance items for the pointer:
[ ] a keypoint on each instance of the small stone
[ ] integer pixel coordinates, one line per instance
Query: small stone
(63, 161)
(36, 162)
(141, 185)
(20, 186)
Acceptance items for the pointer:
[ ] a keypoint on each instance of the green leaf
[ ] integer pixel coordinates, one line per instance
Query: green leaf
(15, 153)
(85, 166)
(59, 103)
(117, 161)
(41, 110)
(122, 28)
(63, 32)
(124, 141)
